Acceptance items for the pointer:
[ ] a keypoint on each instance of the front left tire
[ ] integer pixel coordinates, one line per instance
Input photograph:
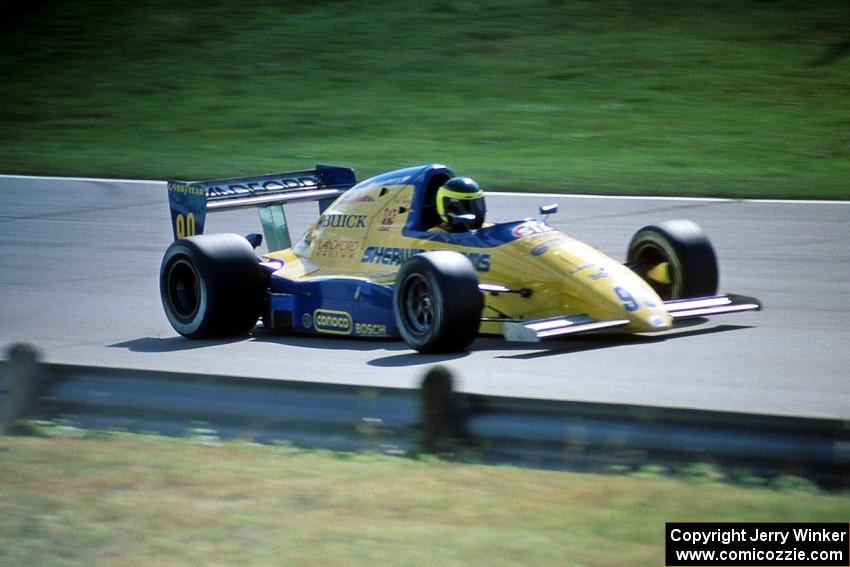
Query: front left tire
(437, 303)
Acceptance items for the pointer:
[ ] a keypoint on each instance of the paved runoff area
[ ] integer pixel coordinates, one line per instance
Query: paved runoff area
(79, 280)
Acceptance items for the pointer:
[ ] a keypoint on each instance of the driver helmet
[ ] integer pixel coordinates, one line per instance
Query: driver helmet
(461, 196)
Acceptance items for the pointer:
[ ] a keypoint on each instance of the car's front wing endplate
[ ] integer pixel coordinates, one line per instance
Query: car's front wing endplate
(680, 309)
(536, 331)
(704, 306)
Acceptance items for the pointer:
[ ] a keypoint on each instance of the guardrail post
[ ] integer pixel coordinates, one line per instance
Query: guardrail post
(441, 420)
(23, 379)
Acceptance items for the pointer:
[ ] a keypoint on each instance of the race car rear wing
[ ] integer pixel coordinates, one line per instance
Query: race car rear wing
(191, 200)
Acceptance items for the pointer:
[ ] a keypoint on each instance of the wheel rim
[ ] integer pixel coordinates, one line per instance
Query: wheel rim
(418, 308)
(648, 256)
(184, 293)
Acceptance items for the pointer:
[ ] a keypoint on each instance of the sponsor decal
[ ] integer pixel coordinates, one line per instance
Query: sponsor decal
(307, 320)
(186, 189)
(388, 255)
(531, 227)
(392, 256)
(336, 248)
(254, 187)
(337, 245)
(342, 221)
(389, 218)
(370, 329)
(335, 322)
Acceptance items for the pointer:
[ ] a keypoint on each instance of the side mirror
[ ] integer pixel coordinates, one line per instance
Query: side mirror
(547, 210)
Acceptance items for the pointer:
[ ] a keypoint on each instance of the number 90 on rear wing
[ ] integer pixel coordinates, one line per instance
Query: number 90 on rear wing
(190, 201)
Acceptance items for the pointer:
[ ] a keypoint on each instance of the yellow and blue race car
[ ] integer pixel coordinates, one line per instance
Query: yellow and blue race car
(392, 256)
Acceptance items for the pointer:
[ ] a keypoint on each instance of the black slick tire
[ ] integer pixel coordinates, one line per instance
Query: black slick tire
(211, 285)
(437, 303)
(692, 263)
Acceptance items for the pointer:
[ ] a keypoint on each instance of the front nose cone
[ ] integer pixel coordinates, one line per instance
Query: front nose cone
(659, 322)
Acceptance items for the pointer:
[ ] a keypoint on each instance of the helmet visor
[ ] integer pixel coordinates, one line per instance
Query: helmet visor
(466, 206)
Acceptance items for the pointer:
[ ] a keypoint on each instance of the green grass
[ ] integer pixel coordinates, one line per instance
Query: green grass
(731, 98)
(130, 500)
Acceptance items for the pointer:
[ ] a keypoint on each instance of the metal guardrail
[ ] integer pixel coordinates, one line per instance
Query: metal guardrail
(302, 413)
(573, 433)
(483, 428)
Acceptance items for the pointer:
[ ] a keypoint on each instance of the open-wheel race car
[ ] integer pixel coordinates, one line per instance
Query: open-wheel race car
(387, 258)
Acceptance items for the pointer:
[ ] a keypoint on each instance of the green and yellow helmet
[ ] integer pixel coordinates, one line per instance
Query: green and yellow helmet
(461, 196)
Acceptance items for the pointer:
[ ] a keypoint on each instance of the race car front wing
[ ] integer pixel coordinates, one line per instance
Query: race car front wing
(679, 310)
(541, 329)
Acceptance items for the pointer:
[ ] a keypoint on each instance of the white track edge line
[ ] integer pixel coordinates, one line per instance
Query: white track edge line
(85, 179)
(501, 193)
(663, 198)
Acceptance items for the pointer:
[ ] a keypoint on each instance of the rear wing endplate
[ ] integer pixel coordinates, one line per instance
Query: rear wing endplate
(190, 201)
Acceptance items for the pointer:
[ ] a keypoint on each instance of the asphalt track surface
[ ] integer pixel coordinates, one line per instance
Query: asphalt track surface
(79, 264)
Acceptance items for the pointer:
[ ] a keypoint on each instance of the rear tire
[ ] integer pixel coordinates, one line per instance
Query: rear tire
(437, 303)
(692, 263)
(211, 286)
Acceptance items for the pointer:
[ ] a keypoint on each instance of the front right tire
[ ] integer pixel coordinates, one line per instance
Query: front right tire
(675, 258)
